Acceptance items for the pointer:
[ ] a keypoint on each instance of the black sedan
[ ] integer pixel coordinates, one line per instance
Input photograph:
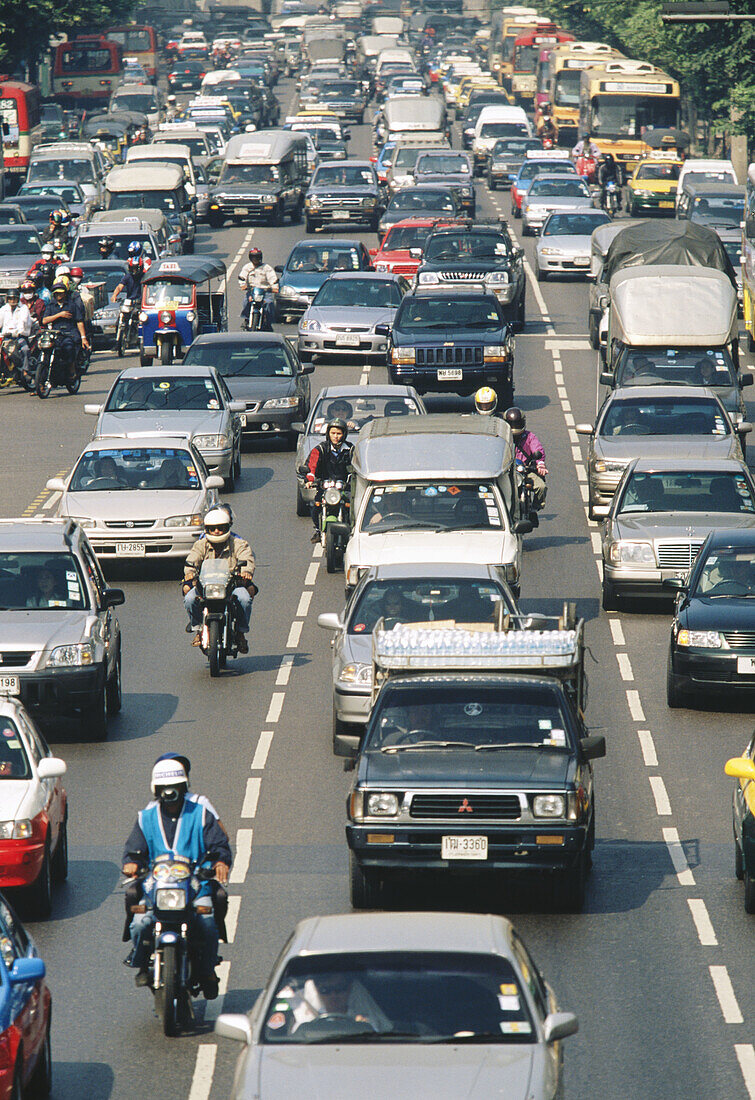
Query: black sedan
(188, 74)
(713, 632)
(261, 369)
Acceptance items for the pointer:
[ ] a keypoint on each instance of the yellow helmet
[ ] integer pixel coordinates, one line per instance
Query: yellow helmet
(485, 401)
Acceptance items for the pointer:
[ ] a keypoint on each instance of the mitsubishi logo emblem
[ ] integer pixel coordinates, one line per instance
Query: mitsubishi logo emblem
(465, 808)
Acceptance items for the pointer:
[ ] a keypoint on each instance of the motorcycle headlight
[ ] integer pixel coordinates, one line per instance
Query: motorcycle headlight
(332, 496)
(82, 653)
(15, 830)
(701, 639)
(191, 316)
(310, 326)
(356, 673)
(170, 897)
(631, 553)
(165, 317)
(194, 520)
(549, 805)
(143, 316)
(211, 442)
(382, 804)
(281, 403)
(428, 278)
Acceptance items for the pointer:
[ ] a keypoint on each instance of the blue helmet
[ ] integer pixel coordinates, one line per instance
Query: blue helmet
(135, 248)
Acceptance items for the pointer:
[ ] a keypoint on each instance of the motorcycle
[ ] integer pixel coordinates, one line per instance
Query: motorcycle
(333, 520)
(127, 328)
(169, 893)
(11, 369)
(52, 366)
(529, 505)
(218, 632)
(611, 198)
(255, 320)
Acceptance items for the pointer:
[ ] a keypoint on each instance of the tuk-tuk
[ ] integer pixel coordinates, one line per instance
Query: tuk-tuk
(115, 132)
(182, 298)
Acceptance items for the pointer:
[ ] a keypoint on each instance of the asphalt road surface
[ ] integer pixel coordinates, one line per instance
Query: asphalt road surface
(659, 967)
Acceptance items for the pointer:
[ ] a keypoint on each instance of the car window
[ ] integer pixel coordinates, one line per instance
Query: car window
(415, 198)
(245, 360)
(421, 314)
(727, 571)
(531, 976)
(689, 367)
(444, 505)
(325, 257)
(442, 600)
(15, 241)
(95, 572)
(358, 411)
(466, 246)
(573, 225)
(364, 293)
(50, 581)
(164, 393)
(14, 761)
(717, 491)
(138, 468)
(14, 941)
(664, 416)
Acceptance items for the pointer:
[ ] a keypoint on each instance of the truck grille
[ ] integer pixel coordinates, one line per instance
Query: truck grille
(462, 276)
(739, 639)
(14, 660)
(340, 200)
(449, 357)
(678, 555)
(467, 806)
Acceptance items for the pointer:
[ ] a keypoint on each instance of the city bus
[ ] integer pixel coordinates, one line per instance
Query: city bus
(139, 42)
(22, 129)
(620, 101)
(512, 26)
(524, 58)
(86, 70)
(561, 76)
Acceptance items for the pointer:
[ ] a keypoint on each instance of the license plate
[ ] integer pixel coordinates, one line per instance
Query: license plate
(582, 261)
(450, 374)
(343, 215)
(464, 847)
(239, 210)
(130, 549)
(746, 666)
(347, 339)
(10, 685)
(665, 204)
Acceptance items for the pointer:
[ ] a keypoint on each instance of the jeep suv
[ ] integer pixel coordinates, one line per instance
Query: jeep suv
(60, 643)
(480, 256)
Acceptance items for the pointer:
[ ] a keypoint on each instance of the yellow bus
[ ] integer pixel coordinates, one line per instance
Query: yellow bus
(565, 68)
(620, 101)
(512, 27)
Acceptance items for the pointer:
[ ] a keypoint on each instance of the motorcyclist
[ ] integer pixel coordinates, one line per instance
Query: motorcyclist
(528, 448)
(174, 824)
(66, 316)
(329, 461)
(547, 131)
(16, 323)
(608, 172)
(586, 147)
(83, 291)
(131, 282)
(44, 277)
(257, 273)
(53, 227)
(485, 401)
(219, 541)
(106, 246)
(47, 257)
(33, 303)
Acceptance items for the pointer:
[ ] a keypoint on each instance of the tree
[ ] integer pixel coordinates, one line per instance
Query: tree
(26, 25)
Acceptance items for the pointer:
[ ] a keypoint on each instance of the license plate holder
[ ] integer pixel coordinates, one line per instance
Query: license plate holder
(746, 666)
(666, 205)
(581, 261)
(10, 685)
(464, 847)
(347, 339)
(239, 210)
(130, 549)
(450, 374)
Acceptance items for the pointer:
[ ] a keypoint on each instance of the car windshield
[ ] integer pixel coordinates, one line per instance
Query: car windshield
(717, 209)
(111, 277)
(446, 601)
(66, 192)
(420, 314)
(249, 173)
(727, 571)
(403, 237)
(715, 492)
(440, 505)
(134, 101)
(341, 88)
(10, 217)
(20, 241)
(425, 198)
(658, 172)
(159, 394)
(573, 225)
(133, 468)
(323, 257)
(440, 164)
(342, 175)
(169, 295)
(364, 293)
(474, 716)
(263, 359)
(466, 246)
(32, 581)
(514, 147)
(502, 129)
(148, 200)
(358, 411)
(14, 762)
(565, 188)
(87, 248)
(69, 169)
(398, 996)
(665, 416)
(682, 366)
(530, 169)
(723, 175)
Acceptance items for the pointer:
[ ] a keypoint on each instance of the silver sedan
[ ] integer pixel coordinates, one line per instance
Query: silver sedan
(346, 314)
(138, 497)
(564, 245)
(446, 1005)
(549, 194)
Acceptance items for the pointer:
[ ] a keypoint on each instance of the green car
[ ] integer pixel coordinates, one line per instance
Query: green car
(743, 769)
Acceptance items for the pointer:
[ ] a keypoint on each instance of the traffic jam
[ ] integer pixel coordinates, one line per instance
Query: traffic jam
(377, 564)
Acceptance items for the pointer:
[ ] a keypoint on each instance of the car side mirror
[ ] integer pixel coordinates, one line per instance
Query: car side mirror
(382, 330)
(113, 597)
(744, 428)
(675, 584)
(234, 1025)
(329, 620)
(593, 748)
(559, 1025)
(278, 269)
(746, 380)
(50, 767)
(298, 426)
(27, 970)
(56, 485)
(415, 253)
(739, 767)
(93, 410)
(214, 482)
(606, 378)
(237, 406)
(308, 368)
(584, 429)
(522, 527)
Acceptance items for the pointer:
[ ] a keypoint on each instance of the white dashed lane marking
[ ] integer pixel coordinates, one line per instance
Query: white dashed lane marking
(730, 1009)
(746, 1057)
(251, 797)
(276, 706)
(648, 748)
(263, 748)
(705, 931)
(204, 1068)
(660, 794)
(243, 856)
(678, 858)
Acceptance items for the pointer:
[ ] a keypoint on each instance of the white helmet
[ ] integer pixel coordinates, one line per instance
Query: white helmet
(219, 517)
(168, 773)
(62, 269)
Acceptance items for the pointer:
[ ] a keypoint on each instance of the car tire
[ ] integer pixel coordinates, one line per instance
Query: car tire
(364, 886)
(632, 210)
(40, 1083)
(302, 506)
(570, 887)
(521, 312)
(739, 863)
(526, 231)
(592, 332)
(676, 696)
(491, 185)
(94, 718)
(114, 690)
(39, 894)
(610, 601)
(60, 856)
(540, 275)
(214, 221)
(749, 892)
(310, 225)
(229, 483)
(146, 360)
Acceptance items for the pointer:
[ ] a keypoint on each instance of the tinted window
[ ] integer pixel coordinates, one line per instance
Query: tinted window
(262, 360)
(468, 246)
(566, 188)
(578, 225)
(19, 242)
(415, 198)
(29, 581)
(665, 416)
(420, 314)
(698, 491)
(139, 468)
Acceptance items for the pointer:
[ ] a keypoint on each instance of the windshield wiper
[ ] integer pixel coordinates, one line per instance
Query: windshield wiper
(479, 526)
(484, 1037)
(427, 745)
(370, 1036)
(513, 745)
(411, 525)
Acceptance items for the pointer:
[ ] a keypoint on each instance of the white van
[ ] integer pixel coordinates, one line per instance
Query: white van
(495, 121)
(705, 171)
(167, 153)
(395, 55)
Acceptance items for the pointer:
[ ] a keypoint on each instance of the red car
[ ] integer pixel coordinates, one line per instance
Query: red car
(400, 251)
(25, 1003)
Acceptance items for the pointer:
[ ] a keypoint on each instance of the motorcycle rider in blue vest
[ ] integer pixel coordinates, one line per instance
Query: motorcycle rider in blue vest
(181, 826)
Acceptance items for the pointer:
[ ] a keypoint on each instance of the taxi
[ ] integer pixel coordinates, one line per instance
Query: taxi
(743, 769)
(472, 84)
(653, 185)
(25, 1006)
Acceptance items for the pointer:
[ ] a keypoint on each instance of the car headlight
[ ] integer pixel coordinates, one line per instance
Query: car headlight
(287, 292)
(211, 442)
(170, 897)
(701, 639)
(165, 317)
(551, 252)
(194, 520)
(404, 355)
(549, 805)
(281, 403)
(268, 198)
(82, 653)
(631, 553)
(310, 325)
(428, 278)
(494, 351)
(466, 192)
(368, 200)
(312, 200)
(602, 466)
(497, 278)
(191, 316)
(356, 673)
(640, 194)
(143, 316)
(15, 830)
(83, 522)
(382, 804)
(382, 267)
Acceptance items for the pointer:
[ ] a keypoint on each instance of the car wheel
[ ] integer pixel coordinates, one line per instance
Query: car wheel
(570, 888)
(610, 600)
(39, 894)
(521, 313)
(592, 330)
(60, 858)
(40, 1084)
(114, 691)
(676, 696)
(310, 225)
(302, 506)
(365, 888)
(215, 221)
(526, 231)
(749, 892)
(540, 275)
(94, 719)
(739, 863)
(230, 482)
(632, 211)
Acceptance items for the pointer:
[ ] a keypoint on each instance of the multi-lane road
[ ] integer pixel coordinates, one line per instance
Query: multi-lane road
(659, 966)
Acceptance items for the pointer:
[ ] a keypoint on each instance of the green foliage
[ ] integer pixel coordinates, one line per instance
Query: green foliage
(25, 25)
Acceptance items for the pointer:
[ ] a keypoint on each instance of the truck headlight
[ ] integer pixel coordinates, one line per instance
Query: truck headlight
(15, 830)
(701, 639)
(356, 673)
(404, 355)
(631, 553)
(82, 653)
(549, 805)
(194, 520)
(382, 804)
(170, 897)
(428, 278)
(211, 442)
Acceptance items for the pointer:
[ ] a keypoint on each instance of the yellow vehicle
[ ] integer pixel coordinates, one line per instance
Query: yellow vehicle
(565, 67)
(653, 185)
(514, 27)
(473, 84)
(622, 99)
(496, 37)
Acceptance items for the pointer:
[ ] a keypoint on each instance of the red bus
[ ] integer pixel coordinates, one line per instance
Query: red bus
(139, 42)
(86, 70)
(19, 113)
(525, 55)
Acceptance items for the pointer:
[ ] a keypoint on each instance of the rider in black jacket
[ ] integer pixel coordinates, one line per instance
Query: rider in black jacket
(329, 461)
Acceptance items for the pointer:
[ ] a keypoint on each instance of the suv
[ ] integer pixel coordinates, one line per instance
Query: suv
(60, 642)
(481, 256)
(344, 192)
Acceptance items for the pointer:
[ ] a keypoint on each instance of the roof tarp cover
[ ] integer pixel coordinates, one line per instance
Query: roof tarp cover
(669, 242)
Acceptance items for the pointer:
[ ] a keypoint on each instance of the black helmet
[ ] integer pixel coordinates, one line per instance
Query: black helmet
(337, 423)
(255, 254)
(46, 271)
(515, 419)
(106, 244)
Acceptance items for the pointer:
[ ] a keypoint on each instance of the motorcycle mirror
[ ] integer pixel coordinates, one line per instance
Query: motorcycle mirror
(56, 485)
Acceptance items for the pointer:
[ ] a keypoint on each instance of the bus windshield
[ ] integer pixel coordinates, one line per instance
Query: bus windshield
(620, 116)
(567, 88)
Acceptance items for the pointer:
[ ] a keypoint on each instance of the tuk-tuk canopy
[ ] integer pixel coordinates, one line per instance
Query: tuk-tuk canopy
(667, 242)
(186, 269)
(666, 138)
(673, 306)
(117, 122)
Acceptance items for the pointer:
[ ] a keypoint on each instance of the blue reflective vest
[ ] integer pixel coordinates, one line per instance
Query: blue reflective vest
(188, 841)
